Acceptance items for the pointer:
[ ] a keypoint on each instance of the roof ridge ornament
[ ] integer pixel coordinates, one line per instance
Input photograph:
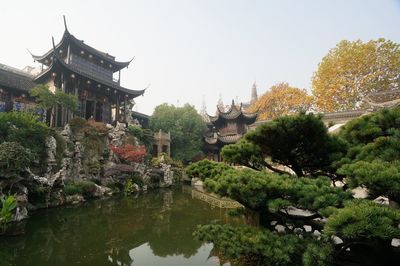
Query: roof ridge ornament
(54, 44)
(30, 52)
(65, 23)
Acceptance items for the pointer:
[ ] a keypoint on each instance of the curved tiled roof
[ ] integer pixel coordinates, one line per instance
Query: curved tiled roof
(227, 139)
(234, 112)
(344, 114)
(58, 62)
(16, 79)
(69, 38)
(384, 99)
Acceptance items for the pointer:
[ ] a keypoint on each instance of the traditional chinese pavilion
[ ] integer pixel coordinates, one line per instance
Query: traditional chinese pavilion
(226, 127)
(93, 76)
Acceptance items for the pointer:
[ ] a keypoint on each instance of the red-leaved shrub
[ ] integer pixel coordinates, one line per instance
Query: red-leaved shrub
(129, 152)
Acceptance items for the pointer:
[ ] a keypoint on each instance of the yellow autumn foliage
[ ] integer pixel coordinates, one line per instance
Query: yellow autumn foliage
(352, 70)
(280, 100)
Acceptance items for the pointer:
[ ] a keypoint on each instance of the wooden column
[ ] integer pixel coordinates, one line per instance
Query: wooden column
(125, 109)
(76, 95)
(9, 102)
(94, 110)
(63, 110)
(83, 111)
(117, 108)
(104, 112)
(110, 112)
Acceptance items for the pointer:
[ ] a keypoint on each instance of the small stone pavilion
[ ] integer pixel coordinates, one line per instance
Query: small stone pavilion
(74, 67)
(226, 127)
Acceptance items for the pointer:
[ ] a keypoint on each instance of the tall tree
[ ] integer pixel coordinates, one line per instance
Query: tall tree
(186, 127)
(351, 70)
(301, 143)
(281, 99)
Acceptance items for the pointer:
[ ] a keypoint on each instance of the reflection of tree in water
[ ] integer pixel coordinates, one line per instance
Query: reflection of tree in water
(103, 232)
(184, 215)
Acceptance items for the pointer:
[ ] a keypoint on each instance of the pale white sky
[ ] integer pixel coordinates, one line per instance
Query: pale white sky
(187, 49)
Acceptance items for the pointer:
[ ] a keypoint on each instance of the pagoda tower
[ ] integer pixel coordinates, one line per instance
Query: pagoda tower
(77, 68)
(254, 96)
(226, 128)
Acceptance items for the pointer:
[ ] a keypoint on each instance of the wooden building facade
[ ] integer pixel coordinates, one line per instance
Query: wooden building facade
(74, 67)
(77, 68)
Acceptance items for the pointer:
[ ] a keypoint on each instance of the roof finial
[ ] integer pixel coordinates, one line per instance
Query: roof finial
(54, 44)
(220, 104)
(29, 52)
(65, 23)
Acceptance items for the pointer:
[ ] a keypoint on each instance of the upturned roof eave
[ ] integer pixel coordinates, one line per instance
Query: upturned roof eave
(58, 61)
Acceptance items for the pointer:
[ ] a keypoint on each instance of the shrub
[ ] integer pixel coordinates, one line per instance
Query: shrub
(144, 136)
(129, 153)
(137, 180)
(89, 127)
(163, 158)
(82, 187)
(7, 205)
(77, 124)
(130, 185)
(178, 174)
(206, 169)
(14, 159)
(95, 128)
(22, 126)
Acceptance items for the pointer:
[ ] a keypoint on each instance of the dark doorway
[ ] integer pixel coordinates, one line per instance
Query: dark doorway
(89, 109)
(99, 112)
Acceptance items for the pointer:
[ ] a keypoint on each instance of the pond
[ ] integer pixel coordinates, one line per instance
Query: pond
(154, 228)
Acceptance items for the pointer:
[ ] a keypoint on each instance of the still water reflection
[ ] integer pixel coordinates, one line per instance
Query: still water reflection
(152, 229)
